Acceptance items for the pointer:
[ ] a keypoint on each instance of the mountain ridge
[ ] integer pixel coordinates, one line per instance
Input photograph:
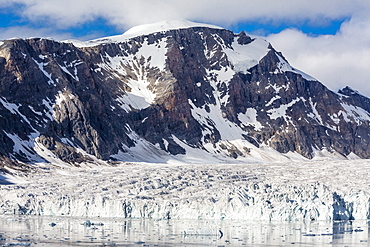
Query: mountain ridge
(142, 30)
(165, 95)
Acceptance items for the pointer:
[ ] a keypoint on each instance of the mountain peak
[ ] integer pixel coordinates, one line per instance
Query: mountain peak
(165, 25)
(348, 91)
(144, 29)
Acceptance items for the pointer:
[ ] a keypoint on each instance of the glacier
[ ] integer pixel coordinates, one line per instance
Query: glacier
(285, 191)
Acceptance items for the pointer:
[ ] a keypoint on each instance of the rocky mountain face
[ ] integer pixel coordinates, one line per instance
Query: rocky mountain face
(189, 92)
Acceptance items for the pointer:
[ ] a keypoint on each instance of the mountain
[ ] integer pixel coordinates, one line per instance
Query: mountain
(174, 90)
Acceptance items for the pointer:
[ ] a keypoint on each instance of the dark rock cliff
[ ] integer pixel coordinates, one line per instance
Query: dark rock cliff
(207, 89)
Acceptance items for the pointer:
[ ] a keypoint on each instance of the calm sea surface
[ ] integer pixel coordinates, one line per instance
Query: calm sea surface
(69, 231)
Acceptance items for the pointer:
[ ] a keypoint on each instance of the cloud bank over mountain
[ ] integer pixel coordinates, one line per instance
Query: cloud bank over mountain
(125, 13)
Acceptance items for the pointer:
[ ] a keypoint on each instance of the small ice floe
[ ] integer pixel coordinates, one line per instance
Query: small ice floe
(17, 244)
(358, 230)
(88, 223)
(311, 235)
(139, 242)
(202, 232)
(20, 239)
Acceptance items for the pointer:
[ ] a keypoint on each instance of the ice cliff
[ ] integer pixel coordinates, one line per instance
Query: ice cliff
(325, 190)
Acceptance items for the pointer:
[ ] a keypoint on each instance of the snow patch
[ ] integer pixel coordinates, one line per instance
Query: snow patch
(326, 154)
(60, 97)
(356, 113)
(24, 147)
(49, 108)
(135, 154)
(6, 179)
(213, 120)
(352, 156)
(284, 66)
(335, 118)
(14, 109)
(34, 111)
(140, 96)
(156, 53)
(73, 65)
(315, 114)
(244, 57)
(277, 87)
(281, 111)
(133, 69)
(250, 118)
(216, 78)
(165, 142)
(48, 75)
(272, 100)
(47, 155)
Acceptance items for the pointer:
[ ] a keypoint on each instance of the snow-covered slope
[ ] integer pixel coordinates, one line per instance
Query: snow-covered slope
(276, 191)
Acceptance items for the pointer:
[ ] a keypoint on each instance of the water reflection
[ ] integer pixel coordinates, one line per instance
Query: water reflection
(68, 231)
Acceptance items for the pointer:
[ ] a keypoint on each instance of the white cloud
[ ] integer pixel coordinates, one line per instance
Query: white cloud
(336, 60)
(50, 33)
(127, 13)
(27, 32)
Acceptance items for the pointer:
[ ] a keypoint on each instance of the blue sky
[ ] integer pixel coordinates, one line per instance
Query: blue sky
(262, 28)
(100, 27)
(329, 40)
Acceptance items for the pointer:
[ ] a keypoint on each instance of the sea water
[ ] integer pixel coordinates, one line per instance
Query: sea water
(71, 231)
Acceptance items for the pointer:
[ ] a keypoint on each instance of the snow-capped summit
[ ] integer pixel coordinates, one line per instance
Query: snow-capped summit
(144, 29)
(163, 26)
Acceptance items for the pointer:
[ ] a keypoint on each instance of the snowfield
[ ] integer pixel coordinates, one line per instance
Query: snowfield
(316, 190)
(162, 26)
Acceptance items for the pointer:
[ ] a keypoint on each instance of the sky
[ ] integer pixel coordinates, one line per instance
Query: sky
(330, 40)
